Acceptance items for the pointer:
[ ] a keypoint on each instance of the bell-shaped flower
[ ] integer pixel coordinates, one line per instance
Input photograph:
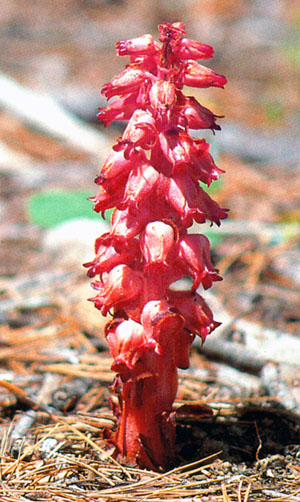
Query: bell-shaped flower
(141, 182)
(107, 257)
(195, 261)
(109, 195)
(127, 81)
(156, 242)
(175, 146)
(185, 152)
(162, 97)
(140, 132)
(147, 62)
(193, 308)
(191, 49)
(143, 45)
(127, 224)
(127, 341)
(167, 328)
(177, 196)
(196, 116)
(191, 201)
(121, 285)
(210, 207)
(180, 149)
(120, 109)
(195, 75)
(159, 320)
(203, 167)
(116, 166)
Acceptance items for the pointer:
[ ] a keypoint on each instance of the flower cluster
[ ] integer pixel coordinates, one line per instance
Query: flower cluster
(151, 178)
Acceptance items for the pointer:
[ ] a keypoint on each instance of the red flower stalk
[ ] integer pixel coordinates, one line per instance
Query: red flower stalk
(151, 178)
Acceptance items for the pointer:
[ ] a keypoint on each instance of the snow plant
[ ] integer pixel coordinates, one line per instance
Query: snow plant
(152, 179)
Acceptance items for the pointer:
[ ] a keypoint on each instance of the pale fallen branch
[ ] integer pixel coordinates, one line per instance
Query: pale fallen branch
(273, 345)
(28, 418)
(45, 114)
(234, 354)
(14, 160)
(274, 383)
(257, 346)
(280, 496)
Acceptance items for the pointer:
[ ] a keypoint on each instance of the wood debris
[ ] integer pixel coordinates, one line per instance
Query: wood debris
(239, 436)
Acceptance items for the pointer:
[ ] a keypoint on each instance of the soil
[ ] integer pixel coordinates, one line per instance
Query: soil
(54, 364)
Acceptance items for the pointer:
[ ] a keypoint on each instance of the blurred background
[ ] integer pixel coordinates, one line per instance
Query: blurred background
(56, 56)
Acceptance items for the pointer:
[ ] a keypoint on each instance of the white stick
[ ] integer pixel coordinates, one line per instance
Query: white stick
(42, 112)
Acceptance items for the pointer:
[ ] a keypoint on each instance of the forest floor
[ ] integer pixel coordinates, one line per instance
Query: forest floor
(54, 363)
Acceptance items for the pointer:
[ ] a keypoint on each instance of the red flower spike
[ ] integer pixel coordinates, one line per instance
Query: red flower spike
(152, 178)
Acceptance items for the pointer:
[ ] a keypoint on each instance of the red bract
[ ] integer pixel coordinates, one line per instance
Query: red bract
(152, 178)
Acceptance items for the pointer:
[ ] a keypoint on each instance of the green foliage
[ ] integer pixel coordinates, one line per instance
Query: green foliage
(292, 52)
(214, 238)
(51, 207)
(214, 187)
(274, 111)
(291, 45)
